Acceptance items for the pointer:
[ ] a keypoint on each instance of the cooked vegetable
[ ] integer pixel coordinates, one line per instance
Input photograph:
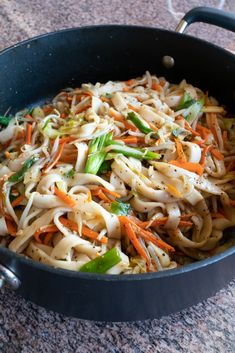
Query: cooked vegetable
(120, 208)
(135, 152)
(194, 110)
(102, 263)
(55, 160)
(17, 177)
(143, 127)
(64, 197)
(4, 120)
(96, 154)
(105, 167)
(186, 102)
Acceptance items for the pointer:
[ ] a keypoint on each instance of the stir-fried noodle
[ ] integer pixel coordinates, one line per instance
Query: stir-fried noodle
(123, 177)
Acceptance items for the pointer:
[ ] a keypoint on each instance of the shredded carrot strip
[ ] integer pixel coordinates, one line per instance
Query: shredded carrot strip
(98, 192)
(186, 216)
(17, 201)
(179, 149)
(56, 159)
(130, 82)
(11, 228)
(64, 197)
(126, 89)
(28, 134)
(225, 137)
(28, 116)
(47, 238)
(48, 109)
(93, 235)
(85, 107)
(188, 127)
(191, 167)
(152, 126)
(162, 83)
(67, 139)
(200, 143)
(88, 93)
(203, 131)
(69, 159)
(7, 154)
(62, 115)
(131, 140)
(145, 234)
(69, 224)
(179, 117)
(51, 228)
(185, 224)
(217, 154)
(105, 99)
(203, 156)
(150, 237)
(85, 230)
(120, 119)
(157, 143)
(156, 222)
(156, 87)
(110, 192)
(132, 107)
(134, 240)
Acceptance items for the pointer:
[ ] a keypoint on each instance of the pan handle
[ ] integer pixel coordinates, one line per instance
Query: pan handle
(208, 15)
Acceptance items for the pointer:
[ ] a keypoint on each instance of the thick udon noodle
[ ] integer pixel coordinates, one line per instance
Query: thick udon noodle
(165, 206)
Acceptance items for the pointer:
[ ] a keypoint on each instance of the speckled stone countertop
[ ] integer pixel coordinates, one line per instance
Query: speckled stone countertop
(208, 327)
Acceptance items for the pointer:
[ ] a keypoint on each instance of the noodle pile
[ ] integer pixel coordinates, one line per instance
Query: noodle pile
(122, 177)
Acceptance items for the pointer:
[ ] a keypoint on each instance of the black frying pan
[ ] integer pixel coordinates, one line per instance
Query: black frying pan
(34, 71)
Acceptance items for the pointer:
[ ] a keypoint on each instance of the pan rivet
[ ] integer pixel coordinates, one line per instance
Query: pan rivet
(8, 277)
(168, 61)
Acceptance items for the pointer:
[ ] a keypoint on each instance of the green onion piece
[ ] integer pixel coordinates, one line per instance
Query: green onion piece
(105, 167)
(17, 177)
(96, 153)
(102, 263)
(194, 110)
(138, 123)
(185, 102)
(4, 120)
(120, 208)
(94, 162)
(178, 131)
(29, 111)
(135, 152)
(70, 173)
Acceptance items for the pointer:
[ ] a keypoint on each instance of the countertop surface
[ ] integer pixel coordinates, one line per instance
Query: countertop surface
(208, 327)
